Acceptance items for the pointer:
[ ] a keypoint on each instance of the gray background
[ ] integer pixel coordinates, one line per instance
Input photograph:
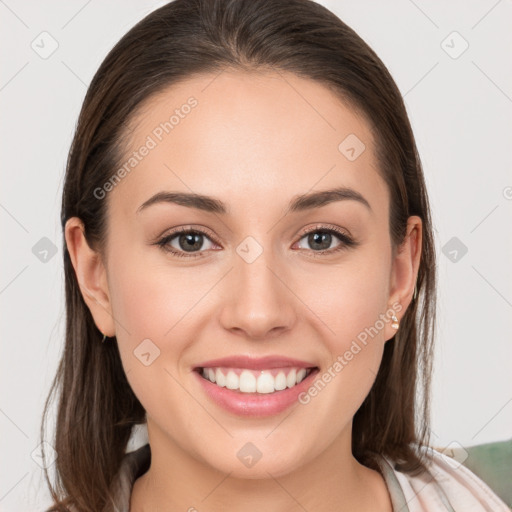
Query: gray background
(460, 104)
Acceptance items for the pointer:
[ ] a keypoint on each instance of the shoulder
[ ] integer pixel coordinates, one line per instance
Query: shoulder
(447, 485)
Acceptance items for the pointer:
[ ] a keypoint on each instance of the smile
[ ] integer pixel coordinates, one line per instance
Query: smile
(255, 381)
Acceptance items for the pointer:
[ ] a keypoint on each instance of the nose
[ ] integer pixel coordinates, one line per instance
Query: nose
(259, 302)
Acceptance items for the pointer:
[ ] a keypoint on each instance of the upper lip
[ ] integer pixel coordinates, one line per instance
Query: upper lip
(253, 363)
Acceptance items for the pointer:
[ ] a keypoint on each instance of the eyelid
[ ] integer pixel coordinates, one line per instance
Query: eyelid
(324, 227)
(186, 229)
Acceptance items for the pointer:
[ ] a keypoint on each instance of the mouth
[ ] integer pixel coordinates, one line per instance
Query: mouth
(256, 382)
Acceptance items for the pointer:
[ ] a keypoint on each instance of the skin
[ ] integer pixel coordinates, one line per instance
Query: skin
(254, 141)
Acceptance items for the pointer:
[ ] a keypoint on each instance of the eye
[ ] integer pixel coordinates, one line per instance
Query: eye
(185, 242)
(321, 238)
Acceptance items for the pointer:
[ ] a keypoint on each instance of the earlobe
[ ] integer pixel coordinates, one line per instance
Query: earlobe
(91, 276)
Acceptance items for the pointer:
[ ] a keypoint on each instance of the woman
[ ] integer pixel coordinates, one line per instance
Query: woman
(247, 231)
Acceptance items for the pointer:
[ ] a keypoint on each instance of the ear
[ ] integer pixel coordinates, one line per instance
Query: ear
(91, 276)
(404, 271)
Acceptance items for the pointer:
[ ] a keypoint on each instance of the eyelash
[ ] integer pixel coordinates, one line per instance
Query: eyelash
(346, 241)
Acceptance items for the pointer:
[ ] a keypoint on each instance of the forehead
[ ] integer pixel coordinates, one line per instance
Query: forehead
(249, 138)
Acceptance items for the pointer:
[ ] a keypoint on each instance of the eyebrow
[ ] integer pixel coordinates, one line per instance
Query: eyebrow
(297, 204)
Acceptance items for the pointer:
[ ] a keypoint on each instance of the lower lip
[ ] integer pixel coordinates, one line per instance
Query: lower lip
(252, 404)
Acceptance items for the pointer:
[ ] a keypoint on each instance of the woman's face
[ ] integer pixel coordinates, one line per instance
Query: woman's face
(252, 282)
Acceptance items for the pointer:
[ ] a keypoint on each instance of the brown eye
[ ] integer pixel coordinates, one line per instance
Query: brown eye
(321, 240)
(185, 242)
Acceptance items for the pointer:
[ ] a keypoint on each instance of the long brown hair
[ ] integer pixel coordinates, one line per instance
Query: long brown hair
(96, 407)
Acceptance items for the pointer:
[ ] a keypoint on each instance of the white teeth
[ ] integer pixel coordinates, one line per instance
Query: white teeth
(251, 381)
(280, 381)
(232, 380)
(265, 383)
(291, 378)
(220, 379)
(301, 374)
(247, 382)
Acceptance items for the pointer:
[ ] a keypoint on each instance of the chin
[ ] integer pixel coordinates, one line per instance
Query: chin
(264, 467)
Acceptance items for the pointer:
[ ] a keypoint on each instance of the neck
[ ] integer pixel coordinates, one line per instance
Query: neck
(333, 480)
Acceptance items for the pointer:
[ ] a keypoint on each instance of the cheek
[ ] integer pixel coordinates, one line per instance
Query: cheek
(348, 297)
(351, 306)
(347, 301)
(357, 295)
(150, 298)
(155, 307)
(140, 304)
(144, 310)
(152, 314)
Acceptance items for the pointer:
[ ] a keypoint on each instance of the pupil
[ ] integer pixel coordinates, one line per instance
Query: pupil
(190, 241)
(316, 238)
